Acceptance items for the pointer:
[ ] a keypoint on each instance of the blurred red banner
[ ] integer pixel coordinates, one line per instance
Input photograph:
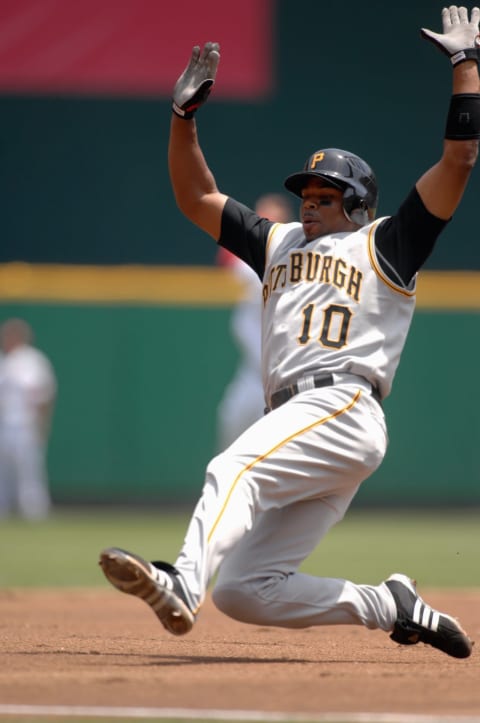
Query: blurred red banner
(132, 47)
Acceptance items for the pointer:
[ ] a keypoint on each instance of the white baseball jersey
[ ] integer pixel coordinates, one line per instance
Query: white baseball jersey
(329, 307)
(27, 380)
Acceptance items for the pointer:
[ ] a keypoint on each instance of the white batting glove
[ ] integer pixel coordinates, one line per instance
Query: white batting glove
(461, 37)
(194, 85)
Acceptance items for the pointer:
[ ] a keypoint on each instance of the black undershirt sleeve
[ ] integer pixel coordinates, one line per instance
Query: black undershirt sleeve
(245, 234)
(405, 241)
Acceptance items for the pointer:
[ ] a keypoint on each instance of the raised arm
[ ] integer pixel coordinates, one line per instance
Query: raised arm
(441, 187)
(193, 183)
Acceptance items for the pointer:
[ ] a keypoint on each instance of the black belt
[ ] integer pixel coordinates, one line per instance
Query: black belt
(324, 380)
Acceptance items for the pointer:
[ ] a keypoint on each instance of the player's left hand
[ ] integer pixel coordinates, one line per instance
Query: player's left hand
(194, 85)
(460, 39)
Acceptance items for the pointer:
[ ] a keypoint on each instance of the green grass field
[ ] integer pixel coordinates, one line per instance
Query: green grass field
(438, 548)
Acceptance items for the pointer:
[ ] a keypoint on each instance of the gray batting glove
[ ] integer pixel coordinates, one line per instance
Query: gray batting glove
(194, 85)
(460, 39)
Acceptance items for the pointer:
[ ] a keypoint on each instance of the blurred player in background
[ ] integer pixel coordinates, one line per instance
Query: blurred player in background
(27, 393)
(243, 401)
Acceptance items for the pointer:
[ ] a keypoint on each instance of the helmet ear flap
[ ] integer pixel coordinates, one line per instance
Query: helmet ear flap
(355, 208)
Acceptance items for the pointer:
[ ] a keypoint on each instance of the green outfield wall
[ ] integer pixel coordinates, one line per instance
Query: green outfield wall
(139, 384)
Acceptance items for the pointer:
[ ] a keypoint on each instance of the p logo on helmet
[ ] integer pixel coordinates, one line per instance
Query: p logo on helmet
(316, 158)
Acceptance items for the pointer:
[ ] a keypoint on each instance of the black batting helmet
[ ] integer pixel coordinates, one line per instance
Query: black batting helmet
(345, 171)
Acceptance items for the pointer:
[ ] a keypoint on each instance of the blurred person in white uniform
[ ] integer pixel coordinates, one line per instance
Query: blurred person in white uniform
(243, 400)
(28, 389)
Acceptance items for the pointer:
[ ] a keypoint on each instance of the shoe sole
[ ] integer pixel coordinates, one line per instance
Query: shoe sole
(130, 574)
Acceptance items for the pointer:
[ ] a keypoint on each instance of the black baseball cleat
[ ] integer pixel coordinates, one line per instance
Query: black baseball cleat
(417, 622)
(158, 583)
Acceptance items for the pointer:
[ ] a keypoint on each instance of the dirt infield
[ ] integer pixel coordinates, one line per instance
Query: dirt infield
(99, 647)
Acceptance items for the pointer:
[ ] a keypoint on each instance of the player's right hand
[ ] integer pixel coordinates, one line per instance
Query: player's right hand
(461, 38)
(194, 85)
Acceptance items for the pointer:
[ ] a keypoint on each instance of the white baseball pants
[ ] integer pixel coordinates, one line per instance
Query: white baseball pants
(270, 498)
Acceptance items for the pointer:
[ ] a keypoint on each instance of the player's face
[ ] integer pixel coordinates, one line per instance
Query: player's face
(321, 211)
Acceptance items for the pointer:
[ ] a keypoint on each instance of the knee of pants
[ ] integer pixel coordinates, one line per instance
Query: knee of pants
(242, 602)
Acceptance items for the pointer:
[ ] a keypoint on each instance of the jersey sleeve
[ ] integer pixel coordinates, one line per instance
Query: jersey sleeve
(245, 234)
(404, 241)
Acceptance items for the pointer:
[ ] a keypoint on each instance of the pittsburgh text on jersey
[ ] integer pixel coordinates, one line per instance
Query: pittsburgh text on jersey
(316, 268)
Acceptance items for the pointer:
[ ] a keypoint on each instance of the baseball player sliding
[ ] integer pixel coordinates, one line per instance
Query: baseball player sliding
(338, 299)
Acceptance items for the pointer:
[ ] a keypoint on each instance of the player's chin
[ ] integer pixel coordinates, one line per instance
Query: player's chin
(311, 230)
